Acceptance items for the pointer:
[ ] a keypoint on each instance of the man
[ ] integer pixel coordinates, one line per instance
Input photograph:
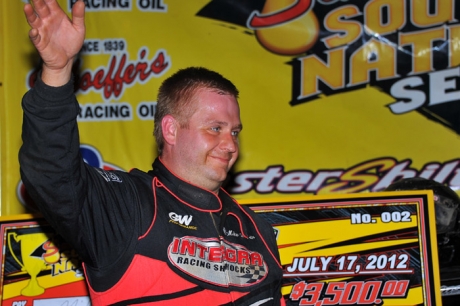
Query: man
(171, 236)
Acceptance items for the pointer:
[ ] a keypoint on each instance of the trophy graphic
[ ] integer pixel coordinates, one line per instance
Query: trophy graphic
(33, 254)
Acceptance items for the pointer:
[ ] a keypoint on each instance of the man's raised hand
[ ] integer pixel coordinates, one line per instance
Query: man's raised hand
(57, 38)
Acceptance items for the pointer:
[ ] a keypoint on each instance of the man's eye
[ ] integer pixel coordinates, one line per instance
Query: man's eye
(235, 133)
(215, 129)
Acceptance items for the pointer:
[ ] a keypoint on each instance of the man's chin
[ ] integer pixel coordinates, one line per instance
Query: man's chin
(218, 176)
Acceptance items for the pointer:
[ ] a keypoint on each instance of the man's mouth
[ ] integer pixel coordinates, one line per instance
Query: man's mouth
(223, 159)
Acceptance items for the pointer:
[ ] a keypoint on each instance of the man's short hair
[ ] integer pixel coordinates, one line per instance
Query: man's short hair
(176, 93)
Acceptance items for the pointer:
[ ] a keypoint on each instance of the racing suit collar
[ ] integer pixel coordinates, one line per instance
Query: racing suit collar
(192, 195)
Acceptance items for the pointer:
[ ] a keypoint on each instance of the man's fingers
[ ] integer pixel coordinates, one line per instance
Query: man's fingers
(34, 36)
(30, 14)
(78, 14)
(53, 5)
(41, 8)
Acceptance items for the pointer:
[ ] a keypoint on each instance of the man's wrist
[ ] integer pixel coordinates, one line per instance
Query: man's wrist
(50, 95)
(56, 77)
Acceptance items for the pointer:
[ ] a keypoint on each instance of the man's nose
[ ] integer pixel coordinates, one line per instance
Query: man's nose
(229, 142)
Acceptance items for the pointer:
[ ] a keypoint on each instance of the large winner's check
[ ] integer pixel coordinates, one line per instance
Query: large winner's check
(366, 249)
(361, 249)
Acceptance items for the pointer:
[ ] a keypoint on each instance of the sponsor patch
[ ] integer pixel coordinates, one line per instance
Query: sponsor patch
(180, 220)
(230, 232)
(109, 176)
(218, 262)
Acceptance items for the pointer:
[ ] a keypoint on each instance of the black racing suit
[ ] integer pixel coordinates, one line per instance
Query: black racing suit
(144, 238)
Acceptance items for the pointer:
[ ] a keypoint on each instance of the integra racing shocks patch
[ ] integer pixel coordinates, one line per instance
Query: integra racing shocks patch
(217, 262)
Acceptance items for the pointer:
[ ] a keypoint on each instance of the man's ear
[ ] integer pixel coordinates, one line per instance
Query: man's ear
(169, 126)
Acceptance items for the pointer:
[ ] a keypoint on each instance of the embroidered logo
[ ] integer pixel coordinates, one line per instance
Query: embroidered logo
(235, 234)
(218, 262)
(183, 221)
(109, 176)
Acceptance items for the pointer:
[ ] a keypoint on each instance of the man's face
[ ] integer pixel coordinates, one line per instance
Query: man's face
(208, 147)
